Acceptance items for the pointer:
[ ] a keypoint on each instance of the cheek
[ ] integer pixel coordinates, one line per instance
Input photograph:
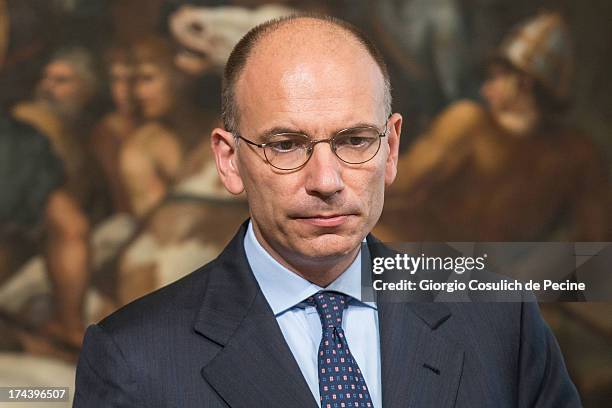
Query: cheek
(376, 190)
(370, 192)
(155, 98)
(165, 95)
(149, 89)
(120, 91)
(154, 91)
(273, 194)
(140, 90)
(270, 194)
(489, 90)
(502, 92)
(67, 92)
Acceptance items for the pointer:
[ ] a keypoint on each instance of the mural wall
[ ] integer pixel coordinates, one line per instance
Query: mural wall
(108, 189)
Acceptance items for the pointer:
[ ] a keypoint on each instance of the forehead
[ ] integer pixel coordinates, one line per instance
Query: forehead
(330, 80)
(121, 68)
(499, 69)
(60, 68)
(150, 68)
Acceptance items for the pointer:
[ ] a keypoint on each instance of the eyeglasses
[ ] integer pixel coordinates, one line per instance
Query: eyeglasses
(291, 151)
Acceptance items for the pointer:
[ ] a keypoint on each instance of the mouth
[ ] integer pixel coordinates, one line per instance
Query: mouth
(325, 220)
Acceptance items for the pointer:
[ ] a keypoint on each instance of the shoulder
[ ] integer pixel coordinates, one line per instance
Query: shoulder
(461, 121)
(497, 333)
(489, 317)
(514, 346)
(162, 310)
(465, 108)
(153, 131)
(38, 116)
(113, 124)
(462, 114)
(15, 130)
(128, 355)
(152, 137)
(27, 109)
(22, 141)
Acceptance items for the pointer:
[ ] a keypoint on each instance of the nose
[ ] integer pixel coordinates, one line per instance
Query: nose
(323, 172)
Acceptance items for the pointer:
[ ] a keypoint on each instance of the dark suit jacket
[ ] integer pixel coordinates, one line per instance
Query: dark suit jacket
(211, 340)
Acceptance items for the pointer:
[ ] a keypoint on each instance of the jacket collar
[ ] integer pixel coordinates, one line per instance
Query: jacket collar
(255, 358)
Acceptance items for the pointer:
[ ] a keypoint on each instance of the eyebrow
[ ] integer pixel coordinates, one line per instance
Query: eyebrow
(267, 134)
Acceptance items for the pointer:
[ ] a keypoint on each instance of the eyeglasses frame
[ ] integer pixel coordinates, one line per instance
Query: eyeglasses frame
(312, 144)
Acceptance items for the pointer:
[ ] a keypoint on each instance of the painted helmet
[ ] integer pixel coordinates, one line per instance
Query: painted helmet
(541, 47)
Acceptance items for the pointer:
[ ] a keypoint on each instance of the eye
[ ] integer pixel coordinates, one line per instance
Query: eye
(286, 145)
(356, 140)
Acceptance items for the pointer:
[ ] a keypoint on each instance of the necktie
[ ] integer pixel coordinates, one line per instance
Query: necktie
(341, 383)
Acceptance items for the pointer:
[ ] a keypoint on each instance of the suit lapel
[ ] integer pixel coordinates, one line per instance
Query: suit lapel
(254, 367)
(419, 367)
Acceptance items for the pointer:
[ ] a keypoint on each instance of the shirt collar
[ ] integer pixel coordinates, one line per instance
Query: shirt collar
(285, 289)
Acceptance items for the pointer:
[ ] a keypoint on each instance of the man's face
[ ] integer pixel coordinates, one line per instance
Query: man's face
(62, 87)
(153, 90)
(500, 89)
(324, 209)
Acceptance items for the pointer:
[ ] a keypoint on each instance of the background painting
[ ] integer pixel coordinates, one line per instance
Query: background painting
(109, 191)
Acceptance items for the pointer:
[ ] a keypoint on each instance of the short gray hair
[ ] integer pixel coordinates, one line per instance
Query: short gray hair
(83, 63)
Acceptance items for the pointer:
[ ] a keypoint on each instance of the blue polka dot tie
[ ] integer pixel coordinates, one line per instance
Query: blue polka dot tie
(341, 383)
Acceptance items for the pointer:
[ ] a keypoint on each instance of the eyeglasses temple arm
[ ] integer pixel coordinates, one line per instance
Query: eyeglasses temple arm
(251, 142)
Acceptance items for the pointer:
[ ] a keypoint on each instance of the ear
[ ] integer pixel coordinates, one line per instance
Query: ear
(224, 149)
(393, 138)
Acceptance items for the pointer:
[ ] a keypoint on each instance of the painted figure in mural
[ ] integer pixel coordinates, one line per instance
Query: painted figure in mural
(510, 171)
(152, 158)
(114, 128)
(61, 111)
(35, 205)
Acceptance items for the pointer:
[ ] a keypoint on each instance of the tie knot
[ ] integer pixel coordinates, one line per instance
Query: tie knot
(330, 306)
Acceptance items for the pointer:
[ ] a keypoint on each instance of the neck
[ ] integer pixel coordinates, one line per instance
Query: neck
(321, 271)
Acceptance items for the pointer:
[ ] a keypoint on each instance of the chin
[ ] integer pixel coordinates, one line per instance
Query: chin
(330, 246)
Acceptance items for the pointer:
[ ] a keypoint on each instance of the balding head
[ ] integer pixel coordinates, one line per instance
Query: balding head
(296, 84)
(270, 47)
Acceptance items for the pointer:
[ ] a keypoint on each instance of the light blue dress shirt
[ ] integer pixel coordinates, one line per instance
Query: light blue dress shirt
(301, 327)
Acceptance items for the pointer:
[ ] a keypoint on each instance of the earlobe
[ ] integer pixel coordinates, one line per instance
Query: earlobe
(224, 150)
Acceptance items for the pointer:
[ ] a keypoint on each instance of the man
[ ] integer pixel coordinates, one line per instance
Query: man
(61, 111)
(512, 169)
(114, 129)
(247, 329)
